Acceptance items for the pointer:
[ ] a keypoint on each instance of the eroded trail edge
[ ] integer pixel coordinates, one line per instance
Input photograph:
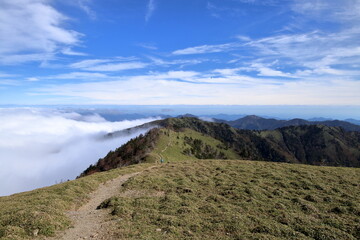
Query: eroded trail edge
(92, 223)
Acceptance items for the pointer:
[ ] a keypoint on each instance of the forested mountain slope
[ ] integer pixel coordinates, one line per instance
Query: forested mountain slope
(308, 144)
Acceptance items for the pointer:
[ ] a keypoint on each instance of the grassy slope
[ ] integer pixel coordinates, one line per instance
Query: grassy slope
(224, 199)
(171, 145)
(43, 209)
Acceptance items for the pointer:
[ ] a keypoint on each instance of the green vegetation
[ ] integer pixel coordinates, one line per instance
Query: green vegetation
(178, 139)
(239, 200)
(308, 144)
(172, 146)
(133, 152)
(42, 211)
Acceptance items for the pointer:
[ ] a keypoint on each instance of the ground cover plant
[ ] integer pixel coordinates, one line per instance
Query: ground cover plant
(222, 199)
(42, 211)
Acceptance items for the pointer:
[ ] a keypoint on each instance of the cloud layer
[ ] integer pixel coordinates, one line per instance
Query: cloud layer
(40, 147)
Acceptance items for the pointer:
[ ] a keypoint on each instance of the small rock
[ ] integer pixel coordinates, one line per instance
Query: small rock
(35, 232)
(158, 229)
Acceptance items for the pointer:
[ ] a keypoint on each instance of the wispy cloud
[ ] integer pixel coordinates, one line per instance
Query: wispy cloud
(46, 34)
(8, 79)
(89, 63)
(32, 79)
(335, 10)
(112, 67)
(6, 75)
(180, 62)
(70, 52)
(109, 65)
(203, 49)
(150, 8)
(9, 82)
(84, 5)
(80, 75)
(127, 63)
(312, 51)
(196, 88)
(14, 59)
(149, 46)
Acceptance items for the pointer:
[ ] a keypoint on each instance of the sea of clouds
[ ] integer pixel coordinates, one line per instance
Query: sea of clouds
(41, 147)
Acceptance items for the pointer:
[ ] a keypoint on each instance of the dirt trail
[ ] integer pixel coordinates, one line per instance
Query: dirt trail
(166, 147)
(90, 223)
(169, 143)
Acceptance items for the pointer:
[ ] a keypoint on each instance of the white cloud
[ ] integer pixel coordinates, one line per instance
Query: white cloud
(32, 30)
(33, 79)
(84, 5)
(207, 119)
(149, 46)
(333, 11)
(150, 8)
(80, 75)
(180, 62)
(268, 72)
(321, 52)
(5, 75)
(313, 51)
(206, 49)
(109, 65)
(227, 71)
(14, 59)
(261, 69)
(39, 146)
(89, 63)
(70, 52)
(243, 38)
(195, 88)
(9, 82)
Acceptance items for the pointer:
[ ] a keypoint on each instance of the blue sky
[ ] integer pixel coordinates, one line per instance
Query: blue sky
(194, 52)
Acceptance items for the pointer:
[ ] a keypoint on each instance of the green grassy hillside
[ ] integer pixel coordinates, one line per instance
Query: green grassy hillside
(178, 146)
(239, 200)
(202, 199)
(43, 210)
(167, 143)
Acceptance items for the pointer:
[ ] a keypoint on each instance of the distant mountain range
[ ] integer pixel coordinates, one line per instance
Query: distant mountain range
(253, 122)
(354, 121)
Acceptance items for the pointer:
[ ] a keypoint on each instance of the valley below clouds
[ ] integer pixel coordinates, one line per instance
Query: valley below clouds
(41, 147)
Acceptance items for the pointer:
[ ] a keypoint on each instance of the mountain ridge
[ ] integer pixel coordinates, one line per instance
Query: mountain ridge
(309, 144)
(253, 122)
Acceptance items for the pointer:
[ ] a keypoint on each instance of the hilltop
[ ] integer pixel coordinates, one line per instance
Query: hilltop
(191, 138)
